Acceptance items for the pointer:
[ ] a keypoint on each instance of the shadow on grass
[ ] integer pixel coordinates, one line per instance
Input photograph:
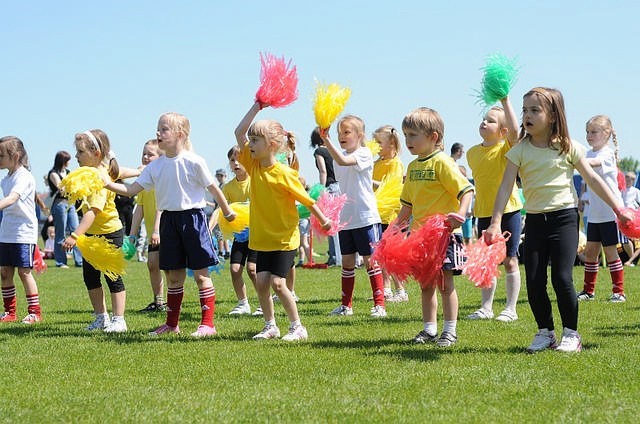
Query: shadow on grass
(617, 331)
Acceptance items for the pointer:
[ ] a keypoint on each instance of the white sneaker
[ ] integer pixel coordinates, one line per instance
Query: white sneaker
(617, 298)
(241, 309)
(388, 294)
(295, 297)
(544, 339)
(100, 323)
(268, 332)
(117, 325)
(378, 311)
(296, 333)
(342, 311)
(398, 297)
(480, 314)
(258, 312)
(507, 316)
(571, 341)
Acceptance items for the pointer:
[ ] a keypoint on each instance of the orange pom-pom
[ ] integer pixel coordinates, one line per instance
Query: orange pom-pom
(390, 252)
(331, 205)
(482, 260)
(427, 248)
(278, 82)
(631, 228)
(39, 265)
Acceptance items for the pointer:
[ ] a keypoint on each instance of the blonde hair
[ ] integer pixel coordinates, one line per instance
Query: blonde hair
(388, 133)
(13, 146)
(179, 122)
(356, 123)
(501, 117)
(426, 121)
(603, 122)
(553, 103)
(100, 144)
(272, 132)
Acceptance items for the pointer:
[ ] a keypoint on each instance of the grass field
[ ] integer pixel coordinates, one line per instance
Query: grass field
(353, 369)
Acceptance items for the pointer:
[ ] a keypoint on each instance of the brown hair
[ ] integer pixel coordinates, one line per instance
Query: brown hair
(13, 146)
(553, 103)
(102, 146)
(426, 121)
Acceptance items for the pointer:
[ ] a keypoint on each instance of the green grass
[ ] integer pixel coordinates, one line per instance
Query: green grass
(353, 369)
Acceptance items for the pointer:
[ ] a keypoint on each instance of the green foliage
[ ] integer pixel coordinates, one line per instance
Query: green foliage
(352, 369)
(628, 163)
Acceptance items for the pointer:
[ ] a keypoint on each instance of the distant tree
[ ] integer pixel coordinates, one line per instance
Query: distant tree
(629, 164)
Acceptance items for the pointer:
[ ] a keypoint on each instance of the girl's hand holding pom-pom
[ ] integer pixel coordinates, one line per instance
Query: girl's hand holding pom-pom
(278, 82)
(331, 206)
(455, 220)
(491, 233)
(483, 259)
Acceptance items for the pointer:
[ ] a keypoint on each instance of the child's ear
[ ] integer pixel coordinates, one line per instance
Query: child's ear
(435, 137)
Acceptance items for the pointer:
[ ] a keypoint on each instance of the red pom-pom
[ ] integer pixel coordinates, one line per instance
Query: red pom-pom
(631, 228)
(390, 252)
(482, 260)
(39, 265)
(331, 206)
(278, 82)
(427, 248)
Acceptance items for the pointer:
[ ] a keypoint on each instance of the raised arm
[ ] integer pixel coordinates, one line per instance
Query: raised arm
(337, 155)
(245, 123)
(511, 121)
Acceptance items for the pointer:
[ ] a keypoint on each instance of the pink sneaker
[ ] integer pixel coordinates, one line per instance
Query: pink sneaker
(7, 317)
(164, 329)
(31, 319)
(204, 331)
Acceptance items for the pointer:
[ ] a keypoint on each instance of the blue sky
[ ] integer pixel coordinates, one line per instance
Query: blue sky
(68, 66)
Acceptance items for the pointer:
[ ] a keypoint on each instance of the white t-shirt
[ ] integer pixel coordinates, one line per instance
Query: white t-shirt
(599, 211)
(19, 221)
(356, 181)
(180, 182)
(631, 197)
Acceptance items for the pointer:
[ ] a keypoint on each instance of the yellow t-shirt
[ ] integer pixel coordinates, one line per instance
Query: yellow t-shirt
(106, 220)
(390, 168)
(487, 165)
(237, 191)
(147, 199)
(547, 176)
(434, 185)
(273, 217)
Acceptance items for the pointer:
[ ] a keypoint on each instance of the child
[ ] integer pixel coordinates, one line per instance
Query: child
(602, 230)
(275, 188)
(237, 190)
(434, 185)
(146, 208)
(179, 178)
(499, 132)
(545, 159)
(49, 243)
(18, 230)
(354, 171)
(389, 165)
(100, 217)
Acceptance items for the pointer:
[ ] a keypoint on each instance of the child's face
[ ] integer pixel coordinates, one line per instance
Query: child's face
(86, 157)
(419, 143)
(168, 137)
(51, 232)
(490, 129)
(6, 161)
(386, 146)
(349, 137)
(535, 118)
(235, 166)
(259, 147)
(149, 154)
(597, 137)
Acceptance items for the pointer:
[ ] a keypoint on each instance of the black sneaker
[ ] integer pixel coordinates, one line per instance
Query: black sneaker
(423, 337)
(151, 307)
(447, 339)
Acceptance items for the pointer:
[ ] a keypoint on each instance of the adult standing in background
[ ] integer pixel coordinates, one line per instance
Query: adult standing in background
(324, 163)
(65, 216)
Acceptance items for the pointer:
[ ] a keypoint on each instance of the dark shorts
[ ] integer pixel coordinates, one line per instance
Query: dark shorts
(454, 258)
(91, 276)
(277, 263)
(186, 242)
(19, 255)
(241, 254)
(605, 233)
(511, 222)
(360, 240)
(155, 248)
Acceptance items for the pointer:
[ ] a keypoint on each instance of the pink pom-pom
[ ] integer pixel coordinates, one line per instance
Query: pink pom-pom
(39, 265)
(427, 247)
(390, 252)
(631, 228)
(331, 206)
(278, 82)
(482, 260)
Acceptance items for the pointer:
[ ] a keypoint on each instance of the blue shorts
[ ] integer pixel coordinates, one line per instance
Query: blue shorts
(605, 233)
(511, 222)
(186, 242)
(360, 240)
(304, 225)
(19, 255)
(278, 262)
(241, 254)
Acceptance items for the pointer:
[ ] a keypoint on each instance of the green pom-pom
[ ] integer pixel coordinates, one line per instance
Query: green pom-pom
(316, 191)
(128, 248)
(500, 75)
(303, 211)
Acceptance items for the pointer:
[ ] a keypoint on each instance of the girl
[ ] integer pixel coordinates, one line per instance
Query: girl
(354, 172)
(146, 208)
(602, 230)
(273, 217)
(100, 217)
(499, 132)
(389, 165)
(545, 159)
(65, 216)
(18, 230)
(435, 185)
(179, 178)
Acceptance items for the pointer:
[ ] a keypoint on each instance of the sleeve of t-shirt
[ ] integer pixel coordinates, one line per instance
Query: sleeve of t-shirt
(295, 187)
(145, 178)
(203, 173)
(364, 159)
(23, 187)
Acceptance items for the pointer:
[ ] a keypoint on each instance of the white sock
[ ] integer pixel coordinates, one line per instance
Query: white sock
(513, 290)
(270, 323)
(431, 328)
(450, 327)
(487, 296)
(294, 324)
(105, 316)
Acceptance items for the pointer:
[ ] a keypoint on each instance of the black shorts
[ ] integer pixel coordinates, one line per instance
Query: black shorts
(278, 262)
(605, 233)
(454, 258)
(241, 254)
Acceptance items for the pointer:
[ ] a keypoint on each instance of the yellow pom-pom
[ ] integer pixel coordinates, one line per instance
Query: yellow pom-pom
(81, 183)
(329, 103)
(388, 198)
(102, 255)
(237, 225)
(374, 146)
